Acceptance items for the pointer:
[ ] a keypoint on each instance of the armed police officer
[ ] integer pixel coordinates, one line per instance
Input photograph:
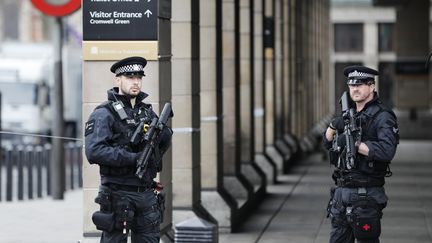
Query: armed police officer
(362, 142)
(127, 202)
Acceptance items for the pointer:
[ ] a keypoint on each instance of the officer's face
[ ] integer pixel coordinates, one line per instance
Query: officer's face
(129, 84)
(361, 92)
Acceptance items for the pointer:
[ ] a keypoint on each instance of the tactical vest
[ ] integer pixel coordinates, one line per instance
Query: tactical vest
(122, 132)
(367, 173)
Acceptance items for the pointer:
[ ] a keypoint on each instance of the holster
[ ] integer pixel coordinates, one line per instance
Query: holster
(104, 218)
(104, 221)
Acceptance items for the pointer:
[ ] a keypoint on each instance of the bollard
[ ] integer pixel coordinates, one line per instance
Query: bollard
(78, 148)
(19, 159)
(47, 162)
(38, 162)
(70, 161)
(9, 178)
(29, 157)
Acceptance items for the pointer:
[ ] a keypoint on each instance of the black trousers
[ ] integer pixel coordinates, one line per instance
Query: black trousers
(145, 224)
(342, 230)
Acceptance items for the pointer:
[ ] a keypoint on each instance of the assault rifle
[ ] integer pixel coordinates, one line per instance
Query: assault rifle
(151, 145)
(350, 130)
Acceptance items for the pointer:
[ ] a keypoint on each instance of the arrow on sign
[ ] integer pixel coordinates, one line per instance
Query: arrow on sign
(148, 13)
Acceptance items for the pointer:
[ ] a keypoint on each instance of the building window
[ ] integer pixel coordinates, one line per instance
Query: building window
(386, 37)
(348, 37)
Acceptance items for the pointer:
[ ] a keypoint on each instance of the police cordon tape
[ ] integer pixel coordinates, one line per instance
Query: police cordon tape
(40, 135)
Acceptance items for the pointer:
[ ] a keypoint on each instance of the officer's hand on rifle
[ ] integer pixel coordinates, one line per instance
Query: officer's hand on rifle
(337, 123)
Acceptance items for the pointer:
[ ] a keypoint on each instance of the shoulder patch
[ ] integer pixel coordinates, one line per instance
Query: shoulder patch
(89, 127)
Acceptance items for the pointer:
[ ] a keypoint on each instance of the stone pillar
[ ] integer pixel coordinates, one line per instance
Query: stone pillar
(247, 151)
(232, 177)
(161, 92)
(259, 93)
(326, 58)
(306, 85)
(278, 85)
(186, 105)
(293, 67)
(286, 73)
(280, 98)
(300, 79)
(211, 116)
(269, 86)
(319, 72)
(316, 91)
(288, 78)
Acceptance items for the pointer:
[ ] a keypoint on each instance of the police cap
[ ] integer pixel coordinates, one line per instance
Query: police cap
(360, 74)
(129, 66)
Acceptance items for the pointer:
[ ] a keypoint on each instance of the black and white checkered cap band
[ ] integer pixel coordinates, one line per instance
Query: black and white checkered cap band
(129, 69)
(360, 74)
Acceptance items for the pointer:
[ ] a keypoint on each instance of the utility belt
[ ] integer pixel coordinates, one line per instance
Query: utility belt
(118, 213)
(353, 181)
(146, 187)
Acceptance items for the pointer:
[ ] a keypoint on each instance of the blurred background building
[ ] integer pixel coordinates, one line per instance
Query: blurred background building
(253, 85)
(392, 36)
(26, 70)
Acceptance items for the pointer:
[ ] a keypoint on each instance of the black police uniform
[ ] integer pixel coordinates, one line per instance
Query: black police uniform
(126, 202)
(358, 198)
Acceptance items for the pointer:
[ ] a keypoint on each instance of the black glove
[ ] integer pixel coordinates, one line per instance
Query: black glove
(337, 124)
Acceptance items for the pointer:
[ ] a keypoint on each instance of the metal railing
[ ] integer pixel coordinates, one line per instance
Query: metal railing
(25, 170)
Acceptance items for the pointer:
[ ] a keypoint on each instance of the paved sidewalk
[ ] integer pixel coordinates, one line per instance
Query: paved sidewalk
(42, 220)
(293, 211)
